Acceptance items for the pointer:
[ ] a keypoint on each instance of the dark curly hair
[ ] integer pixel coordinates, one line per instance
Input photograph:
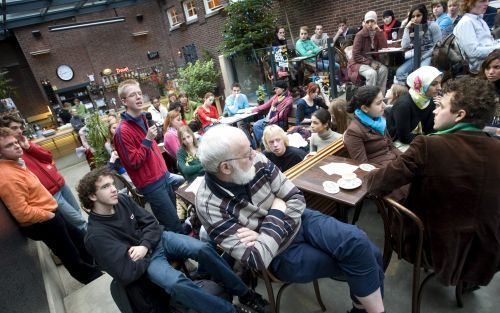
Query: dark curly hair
(7, 119)
(480, 105)
(364, 96)
(86, 186)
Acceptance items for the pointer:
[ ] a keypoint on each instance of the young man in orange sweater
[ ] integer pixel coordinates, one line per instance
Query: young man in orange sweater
(36, 212)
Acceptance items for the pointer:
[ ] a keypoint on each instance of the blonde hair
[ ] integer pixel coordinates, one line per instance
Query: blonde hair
(170, 117)
(125, 83)
(274, 130)
(338, 109)
(186, 130)
(397, 91)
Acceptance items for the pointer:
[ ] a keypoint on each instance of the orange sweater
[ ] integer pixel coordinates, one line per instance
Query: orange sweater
(23, 194)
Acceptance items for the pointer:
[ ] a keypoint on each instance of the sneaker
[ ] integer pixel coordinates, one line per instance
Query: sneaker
(254, 301)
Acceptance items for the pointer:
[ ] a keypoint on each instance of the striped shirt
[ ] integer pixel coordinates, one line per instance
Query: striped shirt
(223, 211)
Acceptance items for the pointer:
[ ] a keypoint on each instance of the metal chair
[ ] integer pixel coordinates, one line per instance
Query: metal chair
(399, 223)
(121, 183)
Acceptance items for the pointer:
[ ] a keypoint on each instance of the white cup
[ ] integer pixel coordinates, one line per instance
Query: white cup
(349, 178)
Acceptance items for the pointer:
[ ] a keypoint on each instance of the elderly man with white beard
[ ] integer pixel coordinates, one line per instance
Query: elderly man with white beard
(260, 218)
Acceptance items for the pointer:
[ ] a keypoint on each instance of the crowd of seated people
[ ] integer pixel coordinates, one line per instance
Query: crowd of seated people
(372, 133)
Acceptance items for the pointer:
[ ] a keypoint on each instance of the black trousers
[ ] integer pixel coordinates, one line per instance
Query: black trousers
(65, 241)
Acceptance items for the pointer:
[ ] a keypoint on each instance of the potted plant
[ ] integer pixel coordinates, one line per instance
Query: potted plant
(261, 94)
(97, 137)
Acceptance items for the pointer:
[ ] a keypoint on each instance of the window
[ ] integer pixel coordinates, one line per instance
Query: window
(212, 5)
(190, 10)
(174, 18)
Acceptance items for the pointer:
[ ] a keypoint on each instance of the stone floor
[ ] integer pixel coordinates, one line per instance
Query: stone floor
(298, 298)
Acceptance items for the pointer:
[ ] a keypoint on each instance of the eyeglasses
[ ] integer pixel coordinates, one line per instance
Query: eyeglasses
(250, 155)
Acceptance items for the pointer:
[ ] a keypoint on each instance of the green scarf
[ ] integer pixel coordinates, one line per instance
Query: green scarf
(457, 127)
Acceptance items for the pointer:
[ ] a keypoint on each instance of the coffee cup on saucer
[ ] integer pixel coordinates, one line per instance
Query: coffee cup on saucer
(349, 178)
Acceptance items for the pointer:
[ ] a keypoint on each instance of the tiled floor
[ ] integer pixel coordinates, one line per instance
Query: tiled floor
(300, 298)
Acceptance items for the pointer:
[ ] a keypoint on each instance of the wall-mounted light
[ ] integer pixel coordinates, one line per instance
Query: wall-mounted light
(36, 33)
(40, 52)
(139, 17)
(179, 53)
(106, 21)
(142, 33)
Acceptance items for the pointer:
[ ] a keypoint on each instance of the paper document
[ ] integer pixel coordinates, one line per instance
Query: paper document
(338, 168)
(195, 185)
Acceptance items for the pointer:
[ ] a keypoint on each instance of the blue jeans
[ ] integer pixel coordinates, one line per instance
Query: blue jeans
(325, 247)
(258, 130)
(406, 68)
(69, 208)
(181, 288)
(175, 180)
(162, 201)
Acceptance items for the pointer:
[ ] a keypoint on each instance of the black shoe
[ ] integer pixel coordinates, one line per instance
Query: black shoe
(356, 310)
(254, 301)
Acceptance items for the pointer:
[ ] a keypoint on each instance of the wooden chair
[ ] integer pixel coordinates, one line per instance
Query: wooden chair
(269, 278)
(399, 222)
(122, 184)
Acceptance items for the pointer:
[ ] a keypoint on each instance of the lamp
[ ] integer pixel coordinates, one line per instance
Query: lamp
(86, 24)
(179, 53)
(36, 33)
(139, 17)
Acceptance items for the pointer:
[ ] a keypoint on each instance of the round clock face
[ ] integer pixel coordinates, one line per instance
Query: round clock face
(65, 72)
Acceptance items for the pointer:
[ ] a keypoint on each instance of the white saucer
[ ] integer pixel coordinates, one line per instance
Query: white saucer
(367, 167)
(355, 183)
(330, 186)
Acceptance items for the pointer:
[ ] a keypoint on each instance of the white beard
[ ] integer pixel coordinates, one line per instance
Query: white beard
(240, 177)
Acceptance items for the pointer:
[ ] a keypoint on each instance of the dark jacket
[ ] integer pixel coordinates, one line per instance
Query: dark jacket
(305, 111)
(456, 192)
(291, 157)
(364, 144)
(141, 158)
(109, 238)
(404, 117)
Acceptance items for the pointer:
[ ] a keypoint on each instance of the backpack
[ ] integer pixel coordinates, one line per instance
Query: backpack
(447, 57)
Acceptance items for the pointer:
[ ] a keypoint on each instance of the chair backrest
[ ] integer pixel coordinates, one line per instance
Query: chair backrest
(401, 225)
(447, 56)
(122, 184)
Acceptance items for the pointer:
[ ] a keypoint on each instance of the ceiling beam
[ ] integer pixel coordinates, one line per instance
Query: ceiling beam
(37, 19)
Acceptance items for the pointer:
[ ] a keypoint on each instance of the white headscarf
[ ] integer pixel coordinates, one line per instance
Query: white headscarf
(419, 82)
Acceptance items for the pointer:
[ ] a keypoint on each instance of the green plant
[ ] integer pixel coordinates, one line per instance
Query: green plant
(97, 136)
(261, 94)
(198, 78)
(249, 25)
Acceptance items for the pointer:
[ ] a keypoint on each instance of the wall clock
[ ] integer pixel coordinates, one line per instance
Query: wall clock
(65, 72)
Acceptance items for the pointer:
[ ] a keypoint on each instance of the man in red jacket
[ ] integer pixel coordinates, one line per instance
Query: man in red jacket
(142, 159)
(40, 162)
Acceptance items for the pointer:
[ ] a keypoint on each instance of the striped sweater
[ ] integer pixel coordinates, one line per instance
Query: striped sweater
(222, 213)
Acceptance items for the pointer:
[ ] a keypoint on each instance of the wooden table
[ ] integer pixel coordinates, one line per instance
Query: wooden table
(311, 181)
(187, 196)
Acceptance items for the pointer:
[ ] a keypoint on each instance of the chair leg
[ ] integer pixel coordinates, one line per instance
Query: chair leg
(458, 294)
(416, 305)
(318, 295)
(278, 297)
(270, 293)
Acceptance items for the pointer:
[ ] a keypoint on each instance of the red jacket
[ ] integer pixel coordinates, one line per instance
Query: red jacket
(362, 45)
(39, 161)
(141, 157)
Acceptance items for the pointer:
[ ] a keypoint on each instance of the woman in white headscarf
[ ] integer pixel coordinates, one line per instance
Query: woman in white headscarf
(412, 114)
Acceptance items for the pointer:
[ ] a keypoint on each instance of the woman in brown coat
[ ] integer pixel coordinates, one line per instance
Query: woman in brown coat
(367, 138)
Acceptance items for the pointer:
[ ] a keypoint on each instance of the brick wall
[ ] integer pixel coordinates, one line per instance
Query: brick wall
(90, 50)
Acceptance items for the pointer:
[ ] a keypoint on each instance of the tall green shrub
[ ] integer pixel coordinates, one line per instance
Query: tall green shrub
(249, 25)
(198, 78)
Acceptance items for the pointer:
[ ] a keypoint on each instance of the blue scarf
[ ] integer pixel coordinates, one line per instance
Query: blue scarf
(378, 124)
